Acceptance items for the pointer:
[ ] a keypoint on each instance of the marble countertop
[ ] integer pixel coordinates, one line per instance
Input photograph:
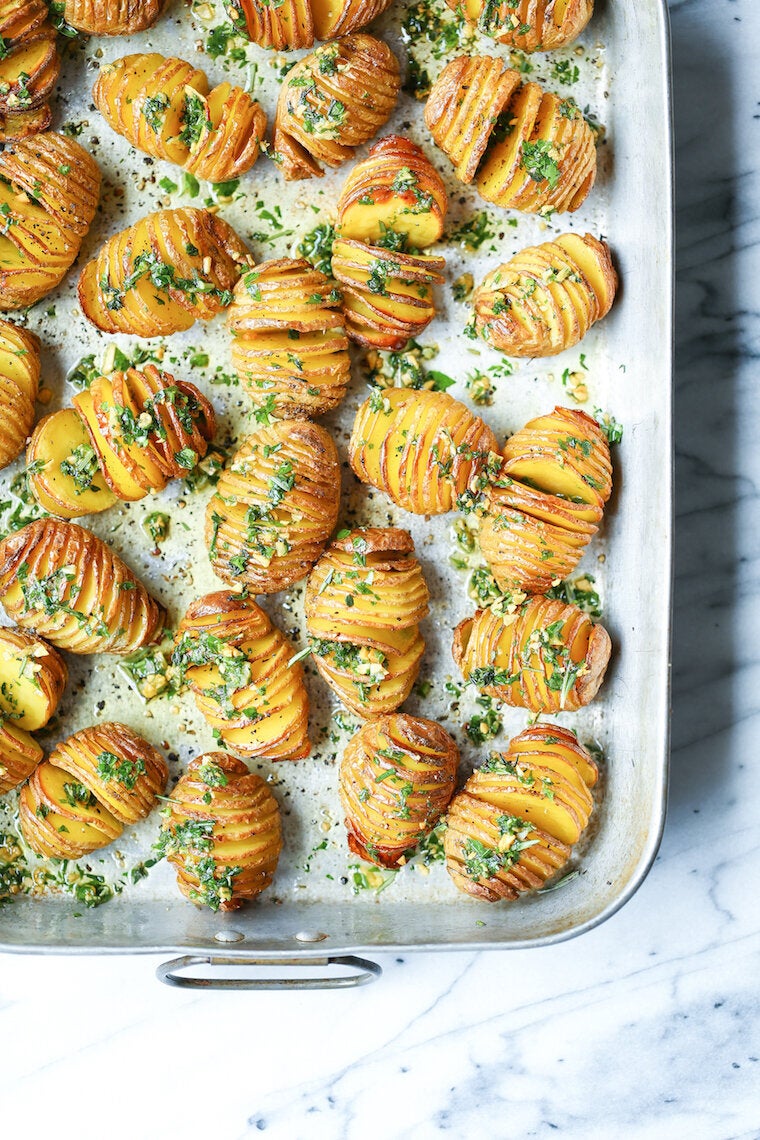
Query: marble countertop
(646, 1027)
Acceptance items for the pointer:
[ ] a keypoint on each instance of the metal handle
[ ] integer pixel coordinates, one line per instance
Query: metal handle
(169, 973)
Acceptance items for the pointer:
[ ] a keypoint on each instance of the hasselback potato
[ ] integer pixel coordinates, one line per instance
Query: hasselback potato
(274, 507)
(111, 17)
(91, 786)
(163, 273)
(546, 298)
(298, 23)
(241, 670)
(29, 66)
(513, 825)
(166, 108)
(528, 25)
(68, 586)
(364, 601)
(289, 344)
(19, 384)
(387, 295)
(332, 101)
(127, 435)
(427, 451)
(19, 755)
(535, 532)
(394, 190)
(49, 190)
(397, 776)
(525, 148)
(32, 679)
(547, 656)
(222, 832)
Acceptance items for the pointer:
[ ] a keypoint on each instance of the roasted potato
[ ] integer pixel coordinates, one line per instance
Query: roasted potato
(62, 468)
(32, 679)
(546, 298)
(222, 832)
(364, 601)
(332, 101)
(166, 108)
(528, 25)
(289, 345)
(397, 776)
(28, 68)
(49, 191)
(519, 814)
(241, 671)
(19, 384)
(92, 785)
(333, 19)
(274, 507)
(19, 755)
(64, 583)
(525, 148)
(387, 296)
(163, 273)
(397, 191)
(298, 23)
(547, 656)
(112, 17)
(427, 451)
(565, 453)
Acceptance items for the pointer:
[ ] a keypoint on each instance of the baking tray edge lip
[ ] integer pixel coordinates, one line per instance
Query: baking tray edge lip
(648, 858)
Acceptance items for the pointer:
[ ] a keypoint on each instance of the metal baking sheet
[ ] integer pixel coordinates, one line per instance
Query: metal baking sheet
(624, 81)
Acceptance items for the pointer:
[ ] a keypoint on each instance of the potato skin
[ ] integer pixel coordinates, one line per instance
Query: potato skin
(546, 298)
(364, 601)
(28, 70)
(229, 632)
(150, 99)
(332, 101)
(112, 17)
(28, 661)
(424, 449)
(528, 25)
(397, 775)
(19, 756)
(547, 656)
(526, 149)
(222, 833)
(513, 825)
(19, 385)
(132, 286)
(117, 776)
(274, 507)
(298, 23)
(289, 344)
(44, 234)
(48, 564)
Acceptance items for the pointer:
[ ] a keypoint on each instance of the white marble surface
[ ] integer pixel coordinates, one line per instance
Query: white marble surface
(644, 1028)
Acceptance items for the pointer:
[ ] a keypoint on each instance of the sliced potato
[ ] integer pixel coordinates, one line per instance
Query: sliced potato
(32, 679)
(63, 470)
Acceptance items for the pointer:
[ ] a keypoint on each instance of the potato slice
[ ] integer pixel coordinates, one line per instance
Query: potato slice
(32, 679)
(63, 470)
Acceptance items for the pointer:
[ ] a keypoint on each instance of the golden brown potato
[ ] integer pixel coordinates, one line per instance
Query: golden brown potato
(387, 296)
(92, 785)
(546, 298)
(394, 191)
(62, 468)
(49, 190)
(397, 776)
(241, 670)
(285, 26)
(427, 451)
(334, 18)
(274, 507)
(333, 101)
(364, 601)
(166, 108)
(163, 273)
(32, 679)
(68, 586)
(289, 345)
(222, 832)
(519, 814)
(547, 656)
(528, 25)
(19, 384)
(112, 17)
(565, 453)
(19, 755)
(29, 66)
(526, 148)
